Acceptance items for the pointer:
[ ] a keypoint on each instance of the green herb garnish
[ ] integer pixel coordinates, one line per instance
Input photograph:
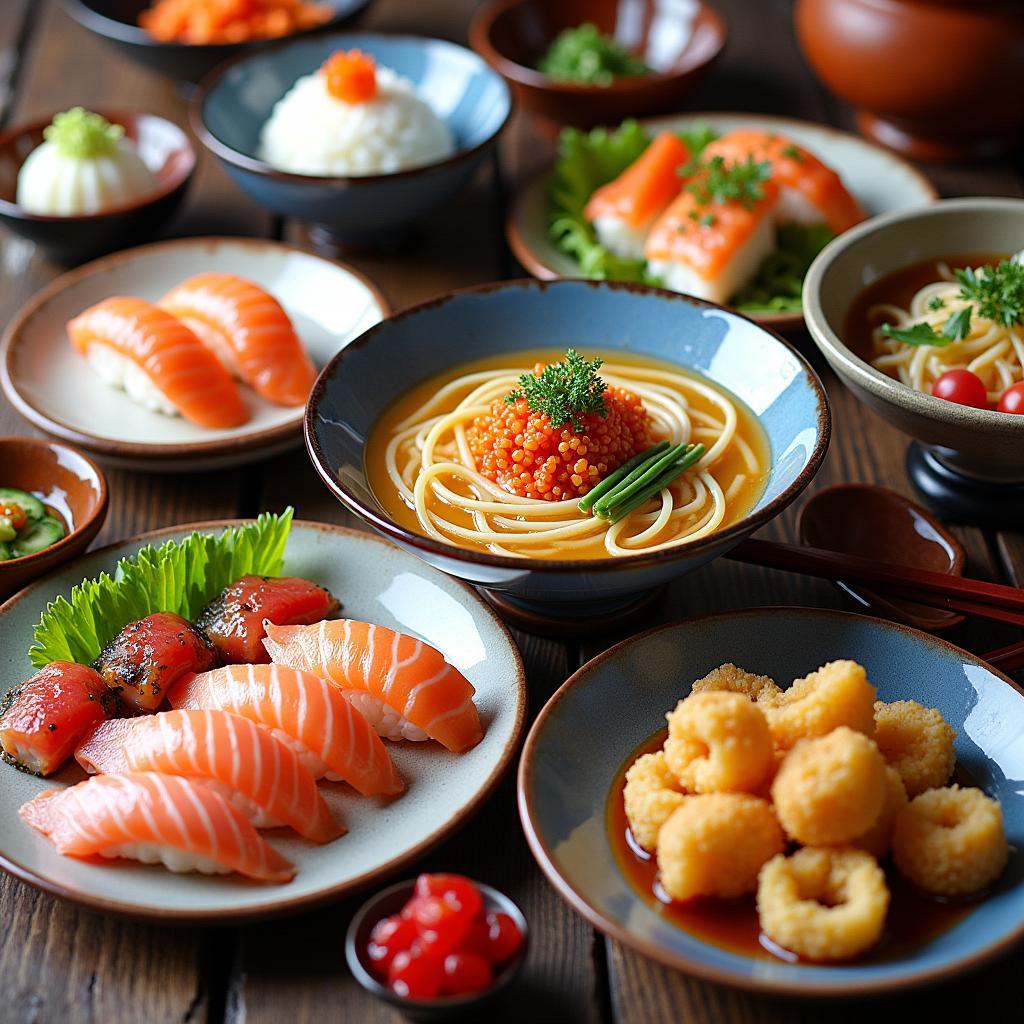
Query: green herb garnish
(80, 133)
(565, 392)
(936, 302)
(779, 281)
(998, 292)
(793, 153)
(721, 182)
(956, 328)
(587, 56)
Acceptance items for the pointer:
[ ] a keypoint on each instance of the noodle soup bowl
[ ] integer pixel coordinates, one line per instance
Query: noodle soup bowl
(756, 366)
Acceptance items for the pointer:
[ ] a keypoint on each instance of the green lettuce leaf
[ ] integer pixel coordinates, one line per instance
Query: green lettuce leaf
(779, 281)
(179, 576)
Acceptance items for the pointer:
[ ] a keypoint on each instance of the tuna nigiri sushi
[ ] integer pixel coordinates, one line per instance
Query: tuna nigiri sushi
(233, 621)
(404, 686)
(138, 347)
(248, 331)
(154, 818)
(623, 211)
(262, 777)
(43, 719)
(330, 737)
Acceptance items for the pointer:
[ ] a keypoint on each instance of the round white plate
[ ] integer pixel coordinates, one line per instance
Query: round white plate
(53, 387)
(375, 582)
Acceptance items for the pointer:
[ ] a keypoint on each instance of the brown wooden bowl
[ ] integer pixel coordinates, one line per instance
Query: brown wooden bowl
(66, 480)
(512, 35)
(935, 79)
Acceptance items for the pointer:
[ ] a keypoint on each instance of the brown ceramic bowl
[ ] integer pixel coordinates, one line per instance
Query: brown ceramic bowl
(67, 481)
(166, 151)
(678, 41)
(935, 79)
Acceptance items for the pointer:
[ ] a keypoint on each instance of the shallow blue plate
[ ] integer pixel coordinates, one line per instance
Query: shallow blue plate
(618, 700)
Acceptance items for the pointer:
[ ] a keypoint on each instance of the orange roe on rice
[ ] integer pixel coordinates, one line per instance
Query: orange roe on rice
(351, 76)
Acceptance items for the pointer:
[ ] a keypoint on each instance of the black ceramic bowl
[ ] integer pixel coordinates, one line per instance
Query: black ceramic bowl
(390, 901)
(117, 22)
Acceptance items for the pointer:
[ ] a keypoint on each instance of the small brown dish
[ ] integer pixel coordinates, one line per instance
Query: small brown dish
(166, 151)
(678, 41)
(70, 484)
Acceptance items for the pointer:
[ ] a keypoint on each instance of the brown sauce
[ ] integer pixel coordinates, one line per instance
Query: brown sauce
(913, 919)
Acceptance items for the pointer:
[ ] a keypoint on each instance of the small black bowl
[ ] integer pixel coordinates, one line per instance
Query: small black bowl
(390, 901)
(117, 21)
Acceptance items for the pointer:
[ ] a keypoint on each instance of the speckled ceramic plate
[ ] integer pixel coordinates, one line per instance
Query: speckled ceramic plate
(615, 702)
(376, 582)
(54, 388)
(879, 179)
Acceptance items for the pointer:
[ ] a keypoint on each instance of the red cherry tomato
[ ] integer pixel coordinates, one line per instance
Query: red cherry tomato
(457, 890)
(416, 974)
(440, 926)
(389, 937)
(465, 972)
(962, 387)
(503, 938)
(1013, 399)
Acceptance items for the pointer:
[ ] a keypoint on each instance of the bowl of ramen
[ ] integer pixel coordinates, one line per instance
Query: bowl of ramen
(569, 445)
(921, 314)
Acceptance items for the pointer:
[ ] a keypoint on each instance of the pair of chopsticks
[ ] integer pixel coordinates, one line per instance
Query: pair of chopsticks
(935, 589)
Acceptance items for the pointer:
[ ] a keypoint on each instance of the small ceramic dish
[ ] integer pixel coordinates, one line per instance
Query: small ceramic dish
(881, 182)
(569, 803)
(70, 483)
(775, 382)
(378, 583)
(232, 105)
(166, 151)
(390, 901)
(678, 41)
(117, 22)
(54, 388)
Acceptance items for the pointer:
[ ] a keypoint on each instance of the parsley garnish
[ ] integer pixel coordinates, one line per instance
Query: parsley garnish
(997, 291)
(720, 182)
(936, 303)
(956, 328)
(565, 392)
(706, 220)
(793, 153)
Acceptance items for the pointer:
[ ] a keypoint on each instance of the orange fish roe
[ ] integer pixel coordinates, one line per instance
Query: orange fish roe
(351, 76)
(202, 22)
(522, 452)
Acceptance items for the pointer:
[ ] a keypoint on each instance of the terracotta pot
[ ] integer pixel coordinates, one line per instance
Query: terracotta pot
(935, 79)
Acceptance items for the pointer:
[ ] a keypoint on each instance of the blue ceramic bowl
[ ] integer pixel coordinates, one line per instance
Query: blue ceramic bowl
(233, 104)
(761, 369)
(618, 700)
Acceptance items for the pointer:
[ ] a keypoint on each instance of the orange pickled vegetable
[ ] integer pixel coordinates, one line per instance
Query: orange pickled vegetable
(200, 22)
(351, 76)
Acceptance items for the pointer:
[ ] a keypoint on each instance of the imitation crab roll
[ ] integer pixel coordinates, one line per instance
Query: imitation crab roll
(623, 211)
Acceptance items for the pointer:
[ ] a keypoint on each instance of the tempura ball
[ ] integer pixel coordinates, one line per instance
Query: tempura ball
(718, 742)
(917, 741)
(878, 839)
(950, 841)
(715, 844)
(837, 694)
(651, 794)
(825, 904)
(831, 789)
(737, 680)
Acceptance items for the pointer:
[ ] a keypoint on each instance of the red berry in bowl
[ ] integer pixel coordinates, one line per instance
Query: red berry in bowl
(503, 937)
(416, 974)
(441, 927)
(466, 972)
(456, 890)
(962, 387)
(389, 937)
(1013, 399)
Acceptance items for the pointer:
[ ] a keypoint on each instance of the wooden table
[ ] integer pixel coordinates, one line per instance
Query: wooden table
(59, 963)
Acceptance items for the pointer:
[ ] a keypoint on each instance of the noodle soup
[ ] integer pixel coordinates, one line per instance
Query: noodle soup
(454, 460)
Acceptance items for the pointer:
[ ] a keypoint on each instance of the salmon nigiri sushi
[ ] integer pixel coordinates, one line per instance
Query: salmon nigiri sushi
(404, 686)
(809, 191)
(258, 774)
(249, 332)
(308, 713)
(157, 361)
(623, 210)
(154, 818)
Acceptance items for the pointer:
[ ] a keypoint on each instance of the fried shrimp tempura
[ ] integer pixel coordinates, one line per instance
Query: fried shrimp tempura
(837, 694)
(825, 904)
(950, 841)
(917, 741)
(878, 839)
(718, 742)
(715, 844)
(737, 680)
(651, 794)
(831, 789)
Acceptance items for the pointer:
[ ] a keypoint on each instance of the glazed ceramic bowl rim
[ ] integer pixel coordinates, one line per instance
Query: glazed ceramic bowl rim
(381, 521)
(881, 385)
(161, 190)
(253, 165)
(493, 899)
(689, 963)
(488, 13)
(99, 490)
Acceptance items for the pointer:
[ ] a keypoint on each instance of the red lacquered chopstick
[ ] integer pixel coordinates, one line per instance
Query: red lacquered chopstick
(1006, 659)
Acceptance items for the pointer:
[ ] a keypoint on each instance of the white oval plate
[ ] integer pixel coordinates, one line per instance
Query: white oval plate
(377, 582)
(54, 388)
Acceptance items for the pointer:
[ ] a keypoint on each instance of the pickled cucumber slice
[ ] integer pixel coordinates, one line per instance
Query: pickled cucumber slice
(37, 536)
(32, 506)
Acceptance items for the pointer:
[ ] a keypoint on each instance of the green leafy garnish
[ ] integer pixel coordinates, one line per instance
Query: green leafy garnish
(793, 153)
(721, 182)
(80, 133)
(956, 328)
(565, 391)
(998, 292)
(588, 57)
(779, 281)
(936, 303)
(179, 576)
